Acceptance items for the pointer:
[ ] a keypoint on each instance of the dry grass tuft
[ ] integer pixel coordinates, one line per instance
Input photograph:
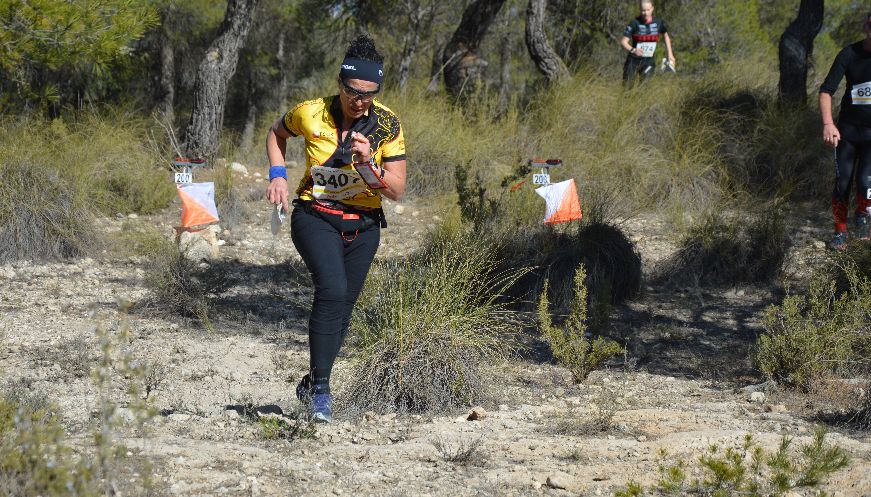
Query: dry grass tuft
(726, 250)
(42, 217)
(428, 324)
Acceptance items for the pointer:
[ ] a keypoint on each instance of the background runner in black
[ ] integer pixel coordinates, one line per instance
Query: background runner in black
(640, 39)
(851, 137)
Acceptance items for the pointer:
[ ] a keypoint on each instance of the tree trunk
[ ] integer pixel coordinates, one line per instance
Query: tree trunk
(463, 67)
(547, 61)
(796, 47)
(247, 138)
(166, 103)
(282, 85)
(437, 65)
(506, 51)
(213, 75)
(412, 38)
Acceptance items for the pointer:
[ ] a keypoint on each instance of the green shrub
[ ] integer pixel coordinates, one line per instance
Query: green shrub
(569, 345)
(427, 324)
(725, 250)
(34, 457)
(749, 470)
(819, 333)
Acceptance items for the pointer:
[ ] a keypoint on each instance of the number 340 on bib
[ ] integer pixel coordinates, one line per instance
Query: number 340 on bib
(330, 183)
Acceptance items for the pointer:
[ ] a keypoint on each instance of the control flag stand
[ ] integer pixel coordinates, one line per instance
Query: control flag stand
(198, 209)
(561, 199)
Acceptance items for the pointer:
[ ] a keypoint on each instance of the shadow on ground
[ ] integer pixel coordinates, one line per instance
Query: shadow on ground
(704, 334)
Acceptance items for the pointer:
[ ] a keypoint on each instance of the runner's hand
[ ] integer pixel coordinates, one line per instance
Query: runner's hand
(360, 147)
(831, 135)
(277, 193)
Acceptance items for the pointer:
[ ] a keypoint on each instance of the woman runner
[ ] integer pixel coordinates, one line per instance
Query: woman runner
(355, 154)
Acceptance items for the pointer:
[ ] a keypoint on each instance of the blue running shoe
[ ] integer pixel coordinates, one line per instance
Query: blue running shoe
(839, 241)
(322, 407)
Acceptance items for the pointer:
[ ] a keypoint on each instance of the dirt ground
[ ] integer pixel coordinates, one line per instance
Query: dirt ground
(681, 387)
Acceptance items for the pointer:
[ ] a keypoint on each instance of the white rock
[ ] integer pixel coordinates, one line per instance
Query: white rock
(399, 209)
(555, 482)
(132, 215)
(757, 397)
(476, 414)
(194, 246)
(238, 168)
(255, 486)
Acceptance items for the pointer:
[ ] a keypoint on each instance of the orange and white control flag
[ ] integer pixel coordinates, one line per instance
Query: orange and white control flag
(197, 204)
(561, 202)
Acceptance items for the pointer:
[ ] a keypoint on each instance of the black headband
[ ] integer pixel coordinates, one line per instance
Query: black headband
(366, 70)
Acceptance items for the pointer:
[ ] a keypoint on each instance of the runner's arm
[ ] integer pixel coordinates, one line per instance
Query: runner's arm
(394, 178)
(626, 44)
(668, 47)
(831, 135)
(276, 148)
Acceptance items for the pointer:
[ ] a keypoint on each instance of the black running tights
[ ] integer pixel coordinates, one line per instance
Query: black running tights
(338, 269)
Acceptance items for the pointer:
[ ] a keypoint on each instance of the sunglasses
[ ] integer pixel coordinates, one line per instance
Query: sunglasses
(355, 94)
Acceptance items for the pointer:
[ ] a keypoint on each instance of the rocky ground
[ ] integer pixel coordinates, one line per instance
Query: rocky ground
(680, 389)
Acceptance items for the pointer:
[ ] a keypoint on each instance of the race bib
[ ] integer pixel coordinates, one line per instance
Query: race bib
(330, 183)
(647, 48)
(861, 94)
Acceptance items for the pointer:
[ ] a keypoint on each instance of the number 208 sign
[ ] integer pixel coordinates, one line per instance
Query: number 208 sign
(541, 179)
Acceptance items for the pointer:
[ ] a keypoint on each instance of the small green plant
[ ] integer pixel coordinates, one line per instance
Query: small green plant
(748, 470)
(633, 489)
(569, 345)
(35, 459)
(475, 207)
(297, 427)
(116, 362)
(819, 332)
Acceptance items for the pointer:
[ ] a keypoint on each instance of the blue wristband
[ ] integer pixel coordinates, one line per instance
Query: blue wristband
(277, 172)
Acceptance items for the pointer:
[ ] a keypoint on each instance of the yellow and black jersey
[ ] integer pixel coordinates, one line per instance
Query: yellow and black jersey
(319, 121)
